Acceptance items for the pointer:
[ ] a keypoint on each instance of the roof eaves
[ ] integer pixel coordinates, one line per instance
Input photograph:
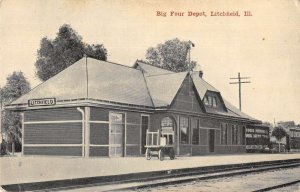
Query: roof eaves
(66, 102)
(198, 96)
(148, 89)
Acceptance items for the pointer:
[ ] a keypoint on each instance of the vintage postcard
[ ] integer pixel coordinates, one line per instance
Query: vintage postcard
(150, 95)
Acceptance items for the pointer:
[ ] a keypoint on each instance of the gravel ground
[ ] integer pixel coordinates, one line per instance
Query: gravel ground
(249, 182)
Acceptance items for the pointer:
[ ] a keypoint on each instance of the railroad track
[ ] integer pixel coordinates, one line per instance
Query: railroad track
(278, 186)
(154, 179)
(215, 175)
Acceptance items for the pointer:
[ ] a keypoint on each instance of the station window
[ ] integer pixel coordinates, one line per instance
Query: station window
(214, 102)
(243, 135)
(234, 135)
(210, 98)
(210, 101)
(224, 133)
(184, 130)
(206, 101)
(167, 123)
(195, 131)
(167, 129)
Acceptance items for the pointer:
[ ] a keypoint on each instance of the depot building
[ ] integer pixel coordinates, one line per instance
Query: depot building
(98, 109)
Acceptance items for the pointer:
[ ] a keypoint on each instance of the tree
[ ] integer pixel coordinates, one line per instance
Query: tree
(67, 48)
(16, 85)
(171, 55)
(279, 133)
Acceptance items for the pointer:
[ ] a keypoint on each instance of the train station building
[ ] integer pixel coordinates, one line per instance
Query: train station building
(100, 109)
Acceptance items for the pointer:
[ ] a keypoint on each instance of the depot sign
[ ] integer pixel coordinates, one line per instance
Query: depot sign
(41, 102)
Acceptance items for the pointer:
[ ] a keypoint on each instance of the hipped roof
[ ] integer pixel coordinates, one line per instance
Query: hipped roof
(91, 78)
(141, 85)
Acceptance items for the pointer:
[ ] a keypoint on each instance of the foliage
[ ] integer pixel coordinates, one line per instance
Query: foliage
(171, 55)
(67, 48)
(268, 124)
(12, 125)
(278, 133)
(16, 85)
(294, 144)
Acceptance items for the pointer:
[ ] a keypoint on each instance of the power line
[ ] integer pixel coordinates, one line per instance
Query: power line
(239, 78)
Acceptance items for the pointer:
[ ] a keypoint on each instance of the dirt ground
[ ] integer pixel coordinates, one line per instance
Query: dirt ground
(24, 169)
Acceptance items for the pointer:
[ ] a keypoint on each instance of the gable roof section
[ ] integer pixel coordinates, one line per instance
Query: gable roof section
(163, 88)
(98, 80)
(184, 92)
(150, 70)
(201, 85)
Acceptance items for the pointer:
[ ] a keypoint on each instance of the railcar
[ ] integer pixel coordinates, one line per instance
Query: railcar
(257, 138)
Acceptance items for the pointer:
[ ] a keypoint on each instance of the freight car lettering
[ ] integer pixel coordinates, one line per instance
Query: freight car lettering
(41, 102)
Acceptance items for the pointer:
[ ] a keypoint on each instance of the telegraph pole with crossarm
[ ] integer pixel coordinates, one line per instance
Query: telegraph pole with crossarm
(239, 78)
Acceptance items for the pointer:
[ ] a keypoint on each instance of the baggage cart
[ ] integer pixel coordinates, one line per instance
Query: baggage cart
(160, 144)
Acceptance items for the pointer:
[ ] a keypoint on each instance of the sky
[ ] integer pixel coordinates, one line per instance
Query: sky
(264, 46)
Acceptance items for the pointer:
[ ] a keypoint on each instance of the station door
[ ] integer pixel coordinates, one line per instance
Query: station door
(116, 135)
(144, 126)
(211, 140)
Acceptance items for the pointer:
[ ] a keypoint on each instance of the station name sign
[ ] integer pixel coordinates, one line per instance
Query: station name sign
(41, 102)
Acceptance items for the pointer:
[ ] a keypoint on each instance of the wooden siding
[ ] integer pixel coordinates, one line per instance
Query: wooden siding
(205, 125)
(59, 114)
(133, 150)
(57, 133)
(52, 126)
(186, 99)
(217, 137)
(99, 133)
(199, 150)
(99, 151)
(133, 134)
(185, 150)
(50, 150)
(209, 123)
(203, 137)
(99, 114)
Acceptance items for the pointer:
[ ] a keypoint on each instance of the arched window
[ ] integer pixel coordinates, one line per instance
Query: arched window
(167, 130)
(167, 124)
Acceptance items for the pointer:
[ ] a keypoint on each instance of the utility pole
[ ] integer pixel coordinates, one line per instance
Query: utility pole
(239, 78)
(190, 45)
(1, 113)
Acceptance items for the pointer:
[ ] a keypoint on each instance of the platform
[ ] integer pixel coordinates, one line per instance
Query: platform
(36, 169)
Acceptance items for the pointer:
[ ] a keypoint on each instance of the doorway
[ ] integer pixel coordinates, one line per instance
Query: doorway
(211, 140)
(144, 127)
(116, 134)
